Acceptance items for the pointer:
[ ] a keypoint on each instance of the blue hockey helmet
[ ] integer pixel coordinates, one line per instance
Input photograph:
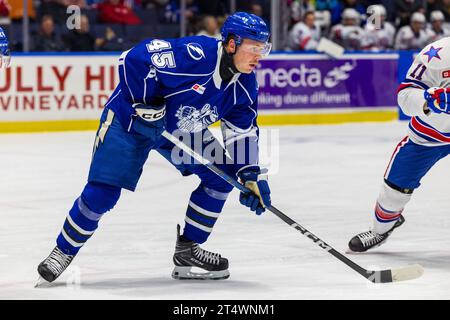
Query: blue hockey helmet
(245, 26)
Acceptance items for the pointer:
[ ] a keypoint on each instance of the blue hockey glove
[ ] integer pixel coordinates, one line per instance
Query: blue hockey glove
(438, 99)
(253, 178)
(150, 121)
(4, 50)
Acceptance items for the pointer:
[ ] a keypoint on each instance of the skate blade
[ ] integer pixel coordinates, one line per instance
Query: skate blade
(186, 273)
(42, 283)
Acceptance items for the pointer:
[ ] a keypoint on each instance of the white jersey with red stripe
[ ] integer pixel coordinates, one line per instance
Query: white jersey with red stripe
(431, 68)
(379, 38)
(303, 37)
(407, 39)
(437, 35)
(350, 37)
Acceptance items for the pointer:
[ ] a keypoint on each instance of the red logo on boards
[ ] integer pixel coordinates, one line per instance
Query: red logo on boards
(446, 74)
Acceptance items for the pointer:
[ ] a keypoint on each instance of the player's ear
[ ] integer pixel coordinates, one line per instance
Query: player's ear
(231, 46)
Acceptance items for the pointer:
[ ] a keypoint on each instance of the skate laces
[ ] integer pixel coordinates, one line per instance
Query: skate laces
(58, 261)
(208, 257)
(370, 238)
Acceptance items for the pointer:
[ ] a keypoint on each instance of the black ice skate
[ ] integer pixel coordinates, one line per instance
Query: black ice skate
(368, 240)
(52, 267)
(188, 255)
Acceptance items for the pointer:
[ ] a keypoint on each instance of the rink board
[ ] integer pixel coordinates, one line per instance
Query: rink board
(263, 119)
(54, 92)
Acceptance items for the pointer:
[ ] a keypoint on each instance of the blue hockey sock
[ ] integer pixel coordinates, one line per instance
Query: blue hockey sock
(203, 210)
(84, 216)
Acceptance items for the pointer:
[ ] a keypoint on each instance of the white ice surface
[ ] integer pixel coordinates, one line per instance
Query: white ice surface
(328, 181)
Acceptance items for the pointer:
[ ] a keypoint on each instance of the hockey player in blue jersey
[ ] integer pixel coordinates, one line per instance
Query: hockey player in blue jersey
(182, 86)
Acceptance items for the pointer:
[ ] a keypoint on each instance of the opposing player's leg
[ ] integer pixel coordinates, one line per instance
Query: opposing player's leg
(409, 164)
(117, 163)
(204, 208)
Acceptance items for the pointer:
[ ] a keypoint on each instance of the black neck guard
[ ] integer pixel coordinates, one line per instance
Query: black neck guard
(227, 68)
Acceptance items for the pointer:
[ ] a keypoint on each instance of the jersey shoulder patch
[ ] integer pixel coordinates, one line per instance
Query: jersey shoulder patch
(436, 55)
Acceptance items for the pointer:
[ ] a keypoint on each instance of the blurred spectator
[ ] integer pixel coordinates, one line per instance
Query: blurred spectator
(17, 9)
(390, 8)
(210, 28)
(46, 39)
(213, 7)
(264, 6)
(405, 8)
(337, 11)
(110, 42)
(220, 21)
(379, 33)
(172, 14)
(80, 39)
(132, 3)
(413, 36)
(298, 8)
(54, 8)
(79, 3)
(115, 11)
(431, 5)
(348, 34)
(436, 28)
(151, 4)
(58, 8)
(5, 9)
(261, 9)
(256, 9)
(329, 5)
(439, 5)
(93, 3)
(445, 8)
(304, 35)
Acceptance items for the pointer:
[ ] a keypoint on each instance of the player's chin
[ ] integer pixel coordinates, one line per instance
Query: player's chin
(248, 69)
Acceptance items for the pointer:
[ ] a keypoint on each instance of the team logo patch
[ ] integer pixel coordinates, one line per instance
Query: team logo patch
(198, 88)
(191, 119)
(195, 51)
(446, 74)
(433, 53)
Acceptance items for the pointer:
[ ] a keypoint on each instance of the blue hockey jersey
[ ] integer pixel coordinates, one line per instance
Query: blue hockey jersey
(184, 74)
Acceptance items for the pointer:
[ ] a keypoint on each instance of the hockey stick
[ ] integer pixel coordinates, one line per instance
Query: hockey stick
(383, 276)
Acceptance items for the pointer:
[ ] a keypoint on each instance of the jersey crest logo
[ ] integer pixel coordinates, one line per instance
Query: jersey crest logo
(195, 51)
(192, 120)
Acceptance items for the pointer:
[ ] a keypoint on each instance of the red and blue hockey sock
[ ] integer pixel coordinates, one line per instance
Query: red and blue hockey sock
(389, 207)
